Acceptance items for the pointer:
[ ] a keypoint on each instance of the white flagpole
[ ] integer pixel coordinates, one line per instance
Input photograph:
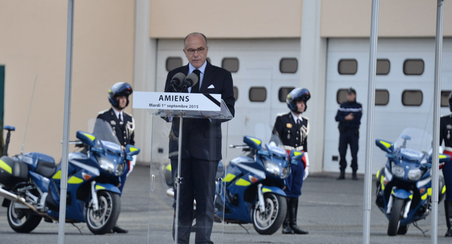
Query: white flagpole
(370, 119)
(436, 118)
(67, 117)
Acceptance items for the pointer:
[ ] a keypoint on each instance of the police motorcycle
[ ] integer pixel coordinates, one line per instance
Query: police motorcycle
(404, 184)
(30, 183)
(250, 190)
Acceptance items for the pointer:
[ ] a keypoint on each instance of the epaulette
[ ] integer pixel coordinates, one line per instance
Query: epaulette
(104, 111)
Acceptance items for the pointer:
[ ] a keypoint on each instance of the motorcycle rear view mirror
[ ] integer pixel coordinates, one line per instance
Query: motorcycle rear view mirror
(86, 138)
(443, 158)
(385, 145)
(131, 151)
(253, 142)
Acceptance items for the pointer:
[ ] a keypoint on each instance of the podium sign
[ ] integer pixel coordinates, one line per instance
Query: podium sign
(177, 101)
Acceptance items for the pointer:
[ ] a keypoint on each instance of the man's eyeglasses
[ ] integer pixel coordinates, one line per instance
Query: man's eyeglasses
(199, 50)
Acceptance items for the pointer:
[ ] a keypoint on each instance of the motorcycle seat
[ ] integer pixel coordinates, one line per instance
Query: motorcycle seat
(46, 169)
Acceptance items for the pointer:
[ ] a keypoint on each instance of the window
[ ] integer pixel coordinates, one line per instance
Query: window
(236, 92)
(288, 65)
(258, 94)
(445, 98)
(412, 98)
(413, 67)
(383, 66)
(173, 62)
(230, 64)
(282, 93)
(347, 66)
(381, 97)
(341, 96)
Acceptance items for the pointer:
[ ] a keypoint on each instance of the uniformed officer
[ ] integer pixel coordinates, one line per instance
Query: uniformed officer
(293, 129)
(349, 118)
(445, 135)
(122, 123)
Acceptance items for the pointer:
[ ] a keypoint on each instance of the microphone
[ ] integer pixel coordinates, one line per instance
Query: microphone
(176, 81)
(189, 81)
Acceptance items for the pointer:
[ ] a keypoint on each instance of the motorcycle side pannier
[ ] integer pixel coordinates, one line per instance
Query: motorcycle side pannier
(12, 171)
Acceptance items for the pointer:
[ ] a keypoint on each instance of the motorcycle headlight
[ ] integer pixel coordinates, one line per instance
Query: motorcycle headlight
(106, 165)
(285, 172)
(414, 174)
(271, 167)
(120, 169)
(397, 170)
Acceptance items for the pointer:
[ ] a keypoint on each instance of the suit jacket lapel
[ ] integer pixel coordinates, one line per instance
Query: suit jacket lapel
(208, 78)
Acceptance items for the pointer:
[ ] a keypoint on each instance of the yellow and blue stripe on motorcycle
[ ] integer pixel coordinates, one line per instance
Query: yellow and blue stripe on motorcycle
(273, 189)
(402, 194)
(106, 187)
(6, 167)
(381, 177)
(72, 180)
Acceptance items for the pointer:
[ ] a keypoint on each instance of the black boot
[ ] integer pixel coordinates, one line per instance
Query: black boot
(119, 230)
(341, 176)
(448, 208)
(354, 176)
(293, 217)
(286, 224)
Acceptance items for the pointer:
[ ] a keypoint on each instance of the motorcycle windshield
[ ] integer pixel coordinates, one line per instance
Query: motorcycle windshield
(102, 131)
(267, 134)
(415, 139)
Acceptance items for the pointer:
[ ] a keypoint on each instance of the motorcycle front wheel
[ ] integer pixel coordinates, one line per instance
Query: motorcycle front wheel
(22, 220)
(269, 221)
(101, 221)
(396, 216)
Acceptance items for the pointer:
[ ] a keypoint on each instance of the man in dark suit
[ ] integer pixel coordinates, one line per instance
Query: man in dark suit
(122, 124)
(201, 145)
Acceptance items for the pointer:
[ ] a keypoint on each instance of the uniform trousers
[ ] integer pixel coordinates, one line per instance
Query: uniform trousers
(198, 183)
(349, 137)
(295, 180)
(447, 172)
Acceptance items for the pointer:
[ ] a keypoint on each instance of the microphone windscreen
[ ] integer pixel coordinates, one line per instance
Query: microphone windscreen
(178, 78)
(192, 78)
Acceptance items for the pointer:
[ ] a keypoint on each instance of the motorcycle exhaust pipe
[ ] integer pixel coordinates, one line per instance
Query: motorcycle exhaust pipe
(15, 198)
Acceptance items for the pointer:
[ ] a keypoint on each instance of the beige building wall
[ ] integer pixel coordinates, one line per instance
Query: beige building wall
(226, 19)
(397, 18)
(33, 47)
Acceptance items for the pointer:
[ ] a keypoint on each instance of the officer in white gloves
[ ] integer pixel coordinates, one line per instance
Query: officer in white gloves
(293, 129)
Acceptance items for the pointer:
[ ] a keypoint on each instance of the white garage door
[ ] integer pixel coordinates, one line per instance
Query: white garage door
(406, 87)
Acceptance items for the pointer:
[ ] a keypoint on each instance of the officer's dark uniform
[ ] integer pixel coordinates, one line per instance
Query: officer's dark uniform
(290, 133)
(349, 133)
(124, 131)
(293, 135)
(445, 135)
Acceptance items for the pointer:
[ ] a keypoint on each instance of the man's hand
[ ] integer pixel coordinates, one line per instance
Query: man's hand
(349, 117)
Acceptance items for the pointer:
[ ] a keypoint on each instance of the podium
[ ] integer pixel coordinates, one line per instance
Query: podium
(179, 106)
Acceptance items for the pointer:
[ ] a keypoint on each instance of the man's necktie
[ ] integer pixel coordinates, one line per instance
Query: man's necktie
(195, 88)
(298, 122)
(120, 119)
